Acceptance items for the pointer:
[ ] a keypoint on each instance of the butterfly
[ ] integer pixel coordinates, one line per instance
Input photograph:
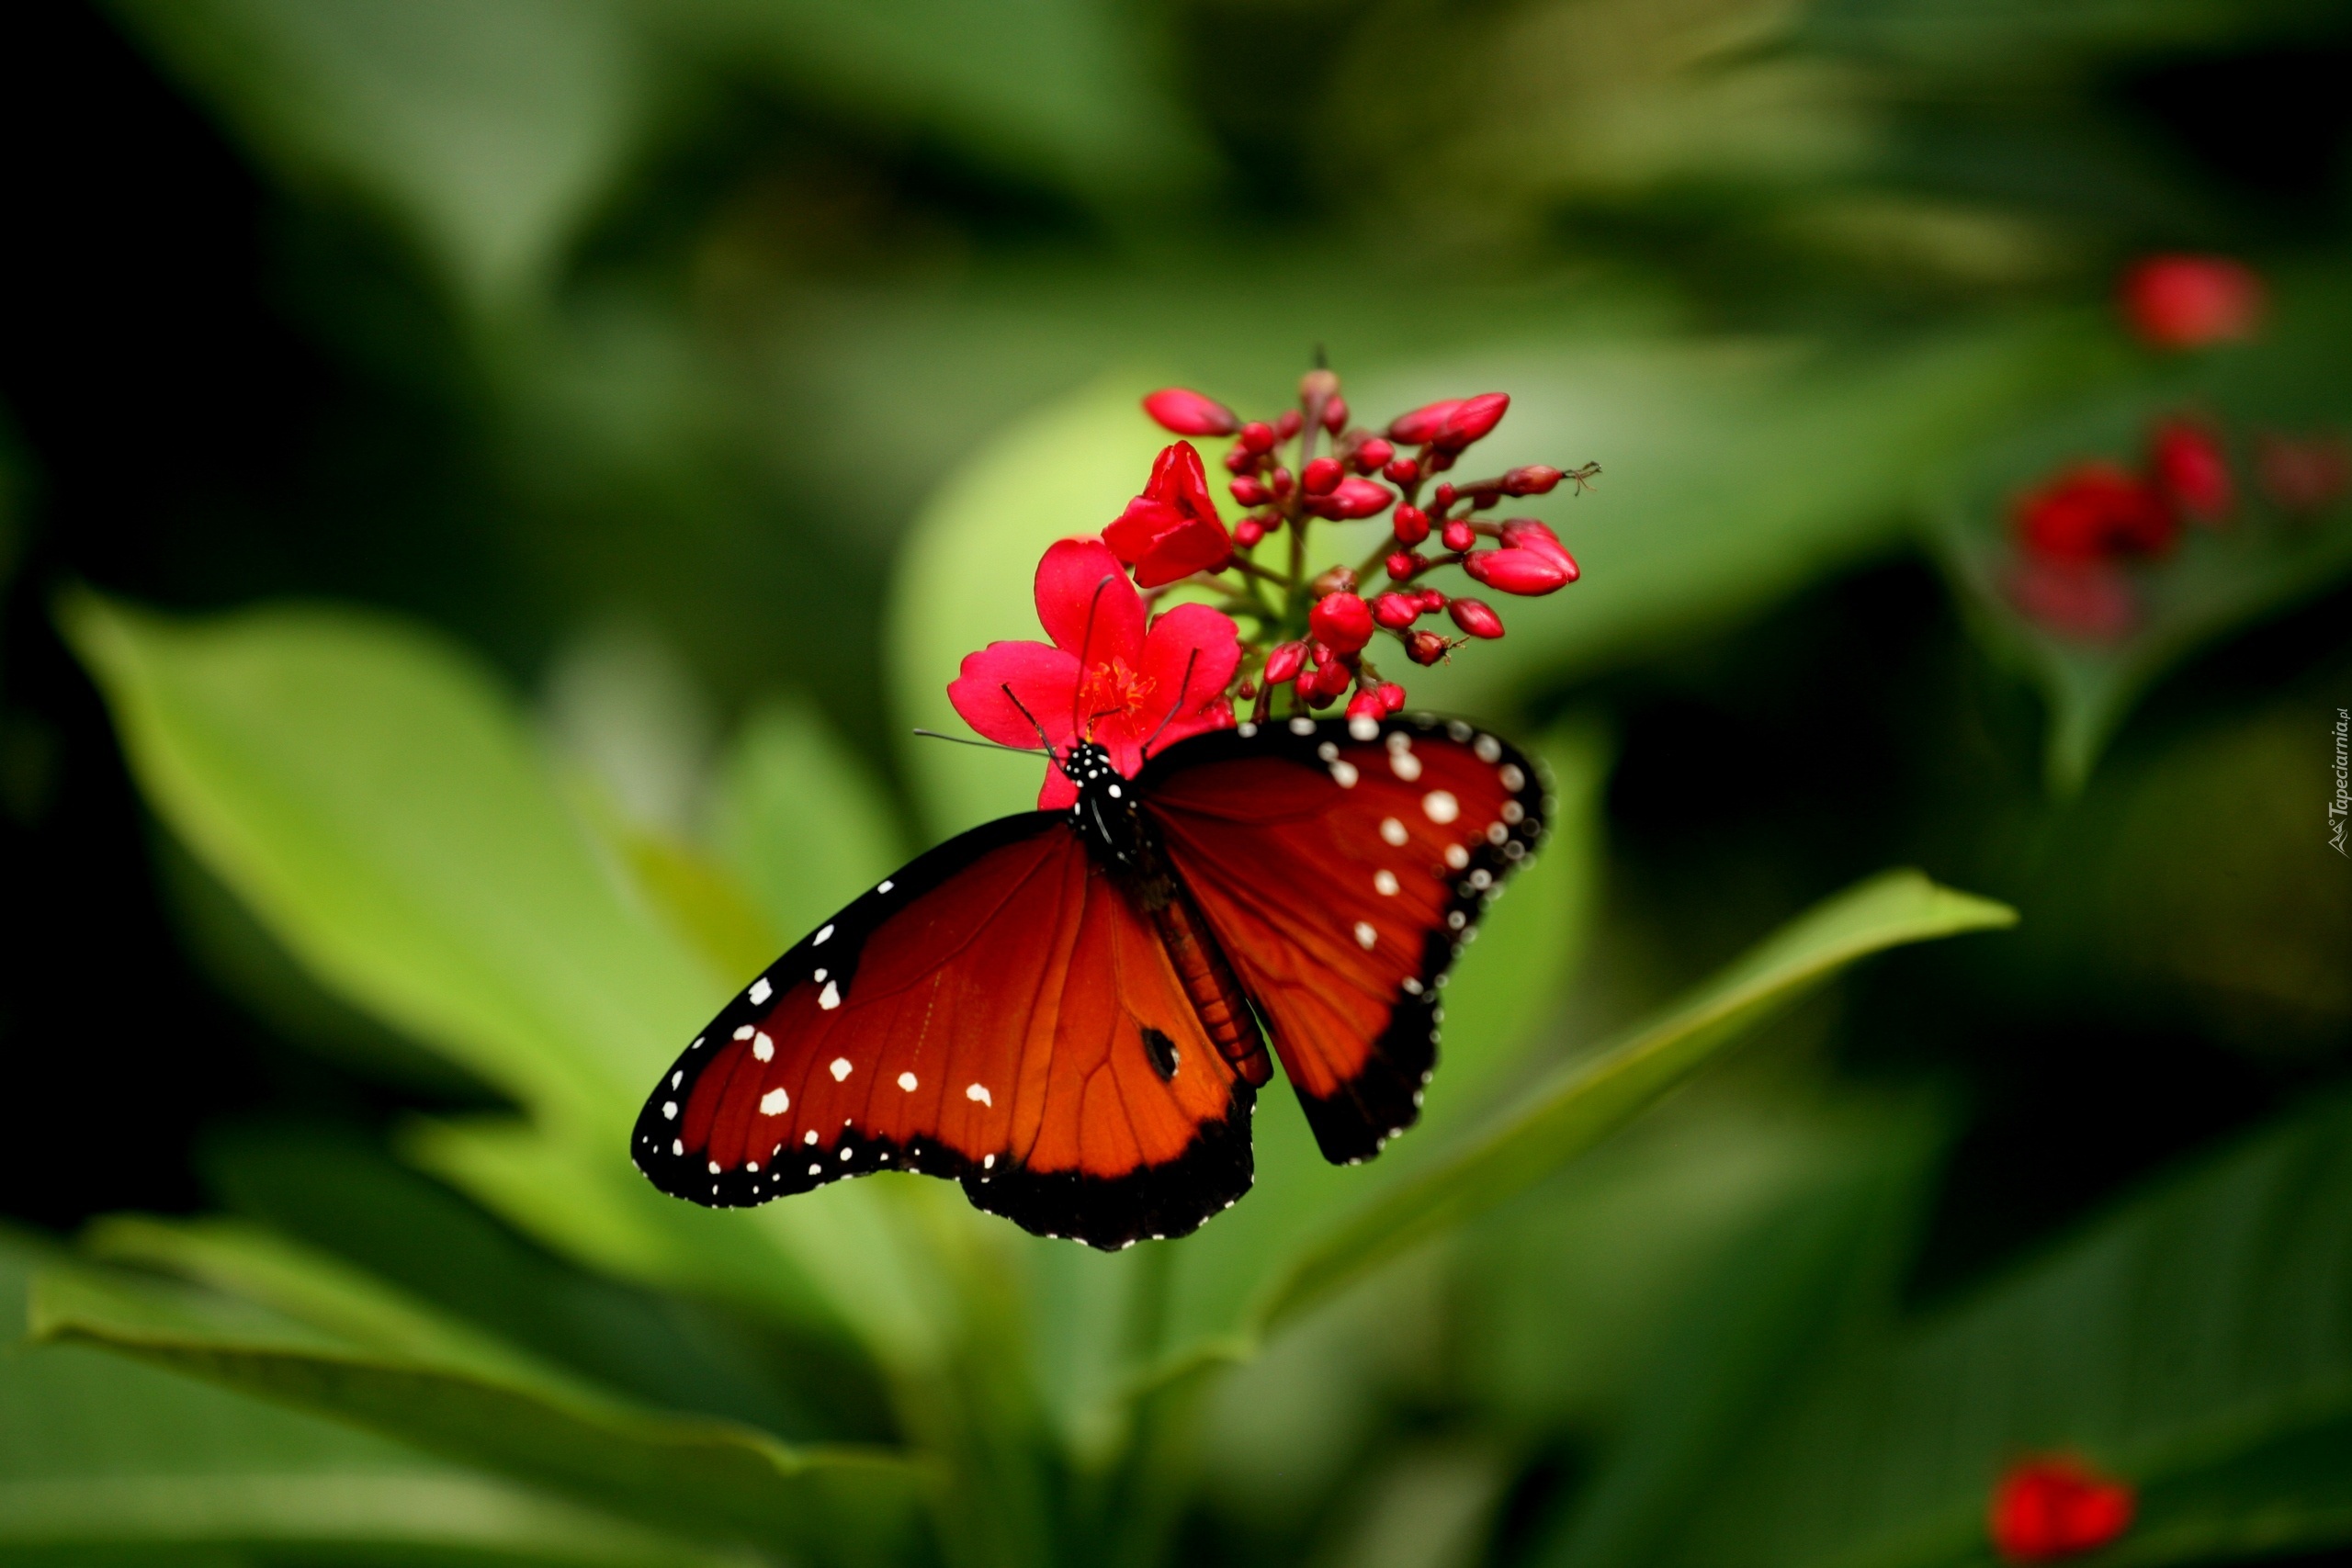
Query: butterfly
(1068, 1011)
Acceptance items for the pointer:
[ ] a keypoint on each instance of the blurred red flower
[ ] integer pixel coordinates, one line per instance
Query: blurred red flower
(2191, 469)
(2095, 511)
(2052, 1507)
(1171, 530)
(2186, 301)
(2301, 476)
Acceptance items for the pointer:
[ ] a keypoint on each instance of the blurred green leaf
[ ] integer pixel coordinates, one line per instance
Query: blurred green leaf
(375, 800)
(104, 1459)
(2197, 1342)
(2219, 579)
(707, 1478)
(487, 130)
(1587, 1100)
(1071, 93)
(800, 818)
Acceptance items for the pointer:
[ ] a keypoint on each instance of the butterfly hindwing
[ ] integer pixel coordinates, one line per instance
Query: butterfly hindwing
(1341, 871)
(999, 1012)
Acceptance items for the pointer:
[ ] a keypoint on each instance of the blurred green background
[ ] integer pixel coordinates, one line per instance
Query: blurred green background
(486, 487)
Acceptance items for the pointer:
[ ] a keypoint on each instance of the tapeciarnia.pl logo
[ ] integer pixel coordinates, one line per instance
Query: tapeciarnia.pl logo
(2340, 807)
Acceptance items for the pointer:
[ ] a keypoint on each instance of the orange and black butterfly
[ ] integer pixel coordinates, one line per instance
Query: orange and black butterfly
(1068, 1011)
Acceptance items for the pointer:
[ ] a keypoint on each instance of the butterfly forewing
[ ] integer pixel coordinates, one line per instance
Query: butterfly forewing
(1341, 871)
(997, 1012)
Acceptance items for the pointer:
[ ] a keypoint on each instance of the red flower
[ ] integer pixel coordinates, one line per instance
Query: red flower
(2192, 470)
(1171, 530)
(2053, 1506)
(1342, 620)
(1104, 677)
(2095, 511)
(2178, 301)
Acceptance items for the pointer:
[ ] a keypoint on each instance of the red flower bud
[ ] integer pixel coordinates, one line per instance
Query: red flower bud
(1334, 579)
(1332, 678)
(1335, 414)
(2178, 302)
(1282, 481)
(1239, 460)
(1187, 412)
(1519, 571)
(1526, 533)
(2192, 470)
(1284, 662)
(1412, 525)
(1431, 601)
(1392, 697)
(1251, 490)
(1426, 648)
(1343, 620)
(1403, 565)
(1288, 424)
(1248, 533)
(1535, 479)
(1401, 470)
(1422, 424)
(1257, 435)
(1471, 420)
(1475, 618)
(1436, 462)
(1371, 454)
(1353, 498)
(1322, 476)
(1458, 536)
(2055, 1506)
(1366, 704)
(1396, 611)
(1444, 496)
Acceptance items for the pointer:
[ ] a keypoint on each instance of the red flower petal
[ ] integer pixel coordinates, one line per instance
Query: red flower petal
(1043, 679)
(2184, 301)
(1173, 529)
(1086, 604)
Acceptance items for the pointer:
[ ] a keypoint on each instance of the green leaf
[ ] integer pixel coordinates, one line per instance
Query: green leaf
(2218, 581)
(800, 818)
(377, 802)
(1071, 92)
(487, 130)
(1587, 1100)
(100, 1454)
(2198, 1343)
(710, 1479)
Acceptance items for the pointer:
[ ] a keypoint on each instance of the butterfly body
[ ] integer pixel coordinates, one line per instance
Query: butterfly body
(1068, 1011)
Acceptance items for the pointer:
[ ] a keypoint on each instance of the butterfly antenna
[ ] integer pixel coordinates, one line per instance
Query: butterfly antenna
(1185, 685)
(1006, 687)
(964, 740)
(1086, 647)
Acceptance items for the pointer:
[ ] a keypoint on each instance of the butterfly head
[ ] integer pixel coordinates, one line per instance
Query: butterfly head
(1104, 810)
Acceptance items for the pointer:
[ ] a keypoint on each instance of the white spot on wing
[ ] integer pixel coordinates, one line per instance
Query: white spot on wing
(1343, 773)
(676, 1078)
(762, 1047)
(822, 932)
(1456, 856)
(1488, 748)
(1439, 807)
(978, 1093)
(669, 1110)
(1392, 831)
(907, 1082)
(885, 885)
(840, 1069)
(829, 997)
(1404, 765)
(1386, 880)
(1512, 779)
(776, 1102)
(987, 1162)
(1302, 724)
(744, 1032)
(1365, 935)
(1363, 727)
(761, 990)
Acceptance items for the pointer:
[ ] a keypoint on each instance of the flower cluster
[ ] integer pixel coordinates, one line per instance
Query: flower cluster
(2077, 531)
(1133, 683)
